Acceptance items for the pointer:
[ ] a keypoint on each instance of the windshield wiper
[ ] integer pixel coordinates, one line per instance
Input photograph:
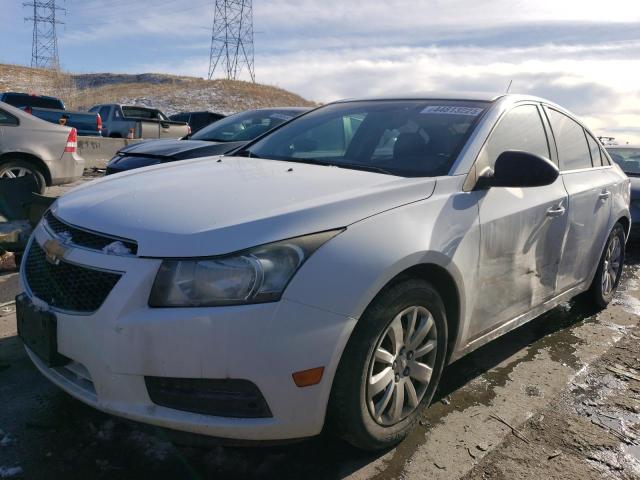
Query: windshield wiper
(359, 166)
(246, 153)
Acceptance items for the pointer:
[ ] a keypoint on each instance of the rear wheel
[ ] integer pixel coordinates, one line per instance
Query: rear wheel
(20, 168)
(609, 272)
(391, 366)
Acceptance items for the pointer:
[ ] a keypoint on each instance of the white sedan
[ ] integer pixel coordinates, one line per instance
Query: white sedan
(328, 271)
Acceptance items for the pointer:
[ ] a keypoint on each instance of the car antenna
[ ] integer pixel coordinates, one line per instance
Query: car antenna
(509, 87)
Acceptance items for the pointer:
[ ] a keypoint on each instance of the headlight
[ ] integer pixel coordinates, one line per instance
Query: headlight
(256, 275)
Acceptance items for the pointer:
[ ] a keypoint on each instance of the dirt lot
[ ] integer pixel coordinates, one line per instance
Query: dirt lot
(557, 398)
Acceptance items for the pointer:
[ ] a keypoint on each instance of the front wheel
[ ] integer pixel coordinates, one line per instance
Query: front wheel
(391, 366)
(609, 271)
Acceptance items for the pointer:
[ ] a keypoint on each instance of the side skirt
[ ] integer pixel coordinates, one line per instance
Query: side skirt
(518, 321)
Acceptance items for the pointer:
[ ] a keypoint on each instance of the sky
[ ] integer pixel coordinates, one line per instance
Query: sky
(582, 54)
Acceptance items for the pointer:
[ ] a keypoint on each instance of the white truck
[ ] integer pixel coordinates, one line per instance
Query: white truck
(130, 121)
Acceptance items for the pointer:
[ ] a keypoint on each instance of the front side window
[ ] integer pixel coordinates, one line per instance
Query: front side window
(411, 138)
(7, 119)
(519, 129)
(573, 150)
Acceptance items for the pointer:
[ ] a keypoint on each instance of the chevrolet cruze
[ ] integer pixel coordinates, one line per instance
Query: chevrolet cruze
(327, 272)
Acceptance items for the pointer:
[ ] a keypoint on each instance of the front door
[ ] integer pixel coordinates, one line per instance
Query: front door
(522, 229)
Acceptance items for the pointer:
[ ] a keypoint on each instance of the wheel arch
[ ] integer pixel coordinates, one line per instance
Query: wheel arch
(27, 157)
(443, 281)
(626, 224)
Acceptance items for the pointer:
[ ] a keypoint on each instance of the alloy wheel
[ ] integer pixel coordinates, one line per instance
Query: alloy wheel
(402, 365)
(14, 172)
(612, 264)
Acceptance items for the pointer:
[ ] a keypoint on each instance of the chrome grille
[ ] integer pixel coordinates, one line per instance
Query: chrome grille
(66, 286)
(85, 238)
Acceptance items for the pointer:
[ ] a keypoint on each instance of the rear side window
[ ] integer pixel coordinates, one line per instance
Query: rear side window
(596, 160)
(7, 119)
(573, 150)
(519, 129)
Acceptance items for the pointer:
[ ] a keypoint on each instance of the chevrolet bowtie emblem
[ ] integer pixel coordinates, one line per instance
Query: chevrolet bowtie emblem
(54, 251)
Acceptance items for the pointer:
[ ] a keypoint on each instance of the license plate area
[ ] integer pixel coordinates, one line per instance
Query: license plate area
(38, 330)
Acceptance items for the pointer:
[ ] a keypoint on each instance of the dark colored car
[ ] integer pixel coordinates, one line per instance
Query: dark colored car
(628, 157)
(219, 138)
(197, 120)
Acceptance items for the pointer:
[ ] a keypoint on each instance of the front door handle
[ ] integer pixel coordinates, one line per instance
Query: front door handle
(604, 195)
(556, 211)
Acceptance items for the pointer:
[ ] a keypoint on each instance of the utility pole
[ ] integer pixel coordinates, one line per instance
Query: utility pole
(232, 39)
(44, 47)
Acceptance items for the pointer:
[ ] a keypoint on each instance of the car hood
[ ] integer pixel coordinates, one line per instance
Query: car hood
(179, 149)
(203, 207)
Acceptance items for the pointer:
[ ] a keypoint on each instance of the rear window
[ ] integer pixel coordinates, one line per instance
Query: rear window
(7, 119)
(411, 138)
(22, 101)
(627, 158)
(145, 113)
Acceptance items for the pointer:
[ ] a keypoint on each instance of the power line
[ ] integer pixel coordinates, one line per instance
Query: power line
(44, 46)
(232, 38)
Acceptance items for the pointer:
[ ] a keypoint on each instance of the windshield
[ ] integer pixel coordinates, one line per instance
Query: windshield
(412, 138)
(627, 158)
(145, 113)
(244, 126)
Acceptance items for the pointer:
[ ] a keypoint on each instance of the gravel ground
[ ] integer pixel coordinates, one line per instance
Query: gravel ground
(556, 398)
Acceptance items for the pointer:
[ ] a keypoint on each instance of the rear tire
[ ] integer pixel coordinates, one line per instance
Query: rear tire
(609, 271)
(361, 410)
(19, 168)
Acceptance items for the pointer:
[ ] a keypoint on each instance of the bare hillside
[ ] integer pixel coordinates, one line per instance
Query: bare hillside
(168, 92)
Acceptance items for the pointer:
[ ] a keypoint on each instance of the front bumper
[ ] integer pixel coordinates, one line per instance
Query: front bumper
(115, 347)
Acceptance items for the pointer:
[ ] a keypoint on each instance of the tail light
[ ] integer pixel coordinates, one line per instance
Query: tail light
(28, 110)
(72, 142)
(188, 129)
(99, 122)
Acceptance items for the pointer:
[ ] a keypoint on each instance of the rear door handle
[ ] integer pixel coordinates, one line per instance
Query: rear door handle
(604, 195)
(556, 211)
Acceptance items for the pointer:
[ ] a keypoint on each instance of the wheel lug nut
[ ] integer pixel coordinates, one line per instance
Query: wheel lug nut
(397, 378)
(406, 371)
(395, 364)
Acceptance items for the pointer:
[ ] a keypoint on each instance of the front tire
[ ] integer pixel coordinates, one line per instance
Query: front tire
(609, 271)
(391, 366)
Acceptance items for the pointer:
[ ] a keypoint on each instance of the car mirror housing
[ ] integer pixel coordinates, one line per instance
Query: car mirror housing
(518, 169)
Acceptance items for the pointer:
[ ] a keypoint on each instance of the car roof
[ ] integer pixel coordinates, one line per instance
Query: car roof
(470, 96)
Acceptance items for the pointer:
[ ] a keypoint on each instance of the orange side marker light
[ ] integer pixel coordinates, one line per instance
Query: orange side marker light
(306, 378)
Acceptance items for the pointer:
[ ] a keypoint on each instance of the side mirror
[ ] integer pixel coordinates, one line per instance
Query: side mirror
(514, 168)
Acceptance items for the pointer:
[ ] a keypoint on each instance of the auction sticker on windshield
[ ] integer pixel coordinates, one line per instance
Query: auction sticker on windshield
(452, 110)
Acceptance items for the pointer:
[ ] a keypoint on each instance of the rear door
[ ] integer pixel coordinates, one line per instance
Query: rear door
(589, 186)
(522, 229)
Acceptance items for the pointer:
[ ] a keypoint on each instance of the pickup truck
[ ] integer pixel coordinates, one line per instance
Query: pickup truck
(128, 121)
(52, 109)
